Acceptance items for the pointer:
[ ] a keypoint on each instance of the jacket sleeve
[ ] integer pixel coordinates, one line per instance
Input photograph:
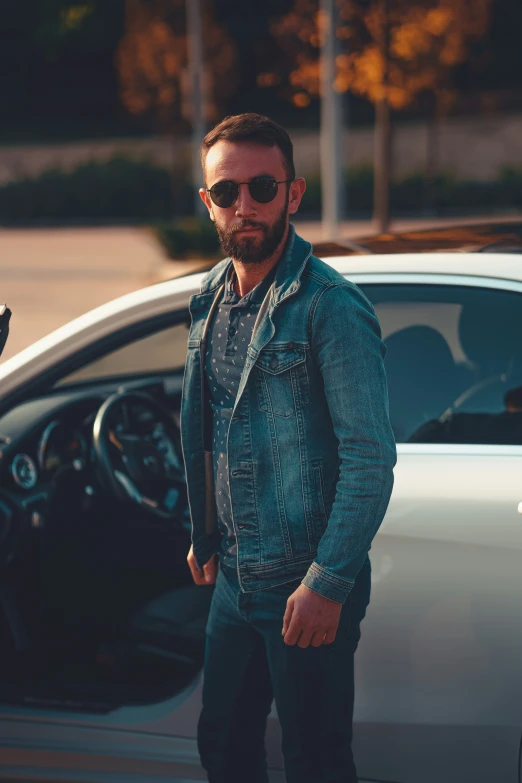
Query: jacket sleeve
(348, 350)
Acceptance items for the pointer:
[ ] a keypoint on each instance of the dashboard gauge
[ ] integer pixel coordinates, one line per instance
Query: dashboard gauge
(61, 447)
(24, 471)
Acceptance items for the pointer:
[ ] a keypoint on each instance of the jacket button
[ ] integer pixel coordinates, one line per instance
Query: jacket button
(273, 361)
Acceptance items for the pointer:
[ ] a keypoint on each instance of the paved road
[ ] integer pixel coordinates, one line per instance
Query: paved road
(49, 276)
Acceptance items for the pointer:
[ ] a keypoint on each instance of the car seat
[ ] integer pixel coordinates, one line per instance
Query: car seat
(422, 378)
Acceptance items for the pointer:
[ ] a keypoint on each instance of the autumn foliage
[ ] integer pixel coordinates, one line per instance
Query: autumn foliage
(151, 61)
(389, 50)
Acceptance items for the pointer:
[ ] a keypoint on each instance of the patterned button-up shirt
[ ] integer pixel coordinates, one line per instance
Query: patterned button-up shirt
(230, 332)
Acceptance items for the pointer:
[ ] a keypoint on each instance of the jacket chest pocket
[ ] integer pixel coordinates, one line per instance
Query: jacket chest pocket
(282, 380)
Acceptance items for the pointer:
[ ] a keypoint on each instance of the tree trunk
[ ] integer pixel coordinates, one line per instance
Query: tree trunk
(382, 166)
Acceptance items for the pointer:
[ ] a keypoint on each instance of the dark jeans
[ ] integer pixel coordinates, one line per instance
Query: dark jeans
(247, 663)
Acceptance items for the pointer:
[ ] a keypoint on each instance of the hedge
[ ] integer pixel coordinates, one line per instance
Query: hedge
(188, 236)
(120, 189)
(415, 195)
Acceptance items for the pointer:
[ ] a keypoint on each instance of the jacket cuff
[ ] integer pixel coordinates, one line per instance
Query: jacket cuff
(206, 547)
(323, 582)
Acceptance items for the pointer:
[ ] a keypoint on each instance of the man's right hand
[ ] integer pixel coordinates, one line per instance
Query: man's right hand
(208, 575)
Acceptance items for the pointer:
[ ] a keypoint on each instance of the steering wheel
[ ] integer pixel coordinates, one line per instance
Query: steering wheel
(148, 471)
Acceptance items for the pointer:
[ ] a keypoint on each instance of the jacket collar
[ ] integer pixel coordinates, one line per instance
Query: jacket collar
(289, 268)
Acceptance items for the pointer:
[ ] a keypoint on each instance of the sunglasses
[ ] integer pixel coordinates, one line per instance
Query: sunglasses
(262, 189)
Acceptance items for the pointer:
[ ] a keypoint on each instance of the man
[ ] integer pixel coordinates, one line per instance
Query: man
(289, 456)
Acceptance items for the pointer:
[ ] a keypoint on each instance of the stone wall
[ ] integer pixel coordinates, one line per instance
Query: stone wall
(468, 148)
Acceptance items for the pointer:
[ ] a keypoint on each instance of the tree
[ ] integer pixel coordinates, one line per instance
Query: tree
(151, 60)
(395, 50)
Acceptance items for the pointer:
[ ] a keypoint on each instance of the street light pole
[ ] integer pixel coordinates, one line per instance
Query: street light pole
(332, 190)
(382, 138)
(195, 65)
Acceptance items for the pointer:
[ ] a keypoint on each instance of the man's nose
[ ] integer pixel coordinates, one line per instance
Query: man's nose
(245, 204)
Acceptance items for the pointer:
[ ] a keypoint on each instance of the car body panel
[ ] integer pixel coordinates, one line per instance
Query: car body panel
(447, 585)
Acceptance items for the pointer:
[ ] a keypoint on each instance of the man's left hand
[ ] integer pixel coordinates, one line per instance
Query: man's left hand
(310, 618)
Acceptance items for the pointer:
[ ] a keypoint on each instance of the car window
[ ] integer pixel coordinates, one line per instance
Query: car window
(453, 361)
(162, 351)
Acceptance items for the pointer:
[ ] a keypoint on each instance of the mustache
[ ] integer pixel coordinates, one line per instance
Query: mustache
(248, 224)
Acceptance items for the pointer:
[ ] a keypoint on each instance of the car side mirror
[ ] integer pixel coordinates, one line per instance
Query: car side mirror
(5, 315)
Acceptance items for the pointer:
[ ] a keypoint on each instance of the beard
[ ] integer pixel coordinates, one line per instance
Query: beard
(251, 250)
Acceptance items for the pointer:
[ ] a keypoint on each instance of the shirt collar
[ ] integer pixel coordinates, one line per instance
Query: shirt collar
(288, 275)
(256, 295)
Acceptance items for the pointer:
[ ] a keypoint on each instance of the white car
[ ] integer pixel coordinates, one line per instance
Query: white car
(101, 628)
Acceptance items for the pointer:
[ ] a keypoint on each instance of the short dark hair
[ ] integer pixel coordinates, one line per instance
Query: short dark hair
(254, 128)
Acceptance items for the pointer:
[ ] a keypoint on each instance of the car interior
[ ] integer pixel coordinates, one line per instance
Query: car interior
(453, 353)
(98, 608)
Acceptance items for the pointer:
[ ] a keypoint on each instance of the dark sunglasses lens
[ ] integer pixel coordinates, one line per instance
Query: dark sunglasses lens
(263, 189)
(223, 194)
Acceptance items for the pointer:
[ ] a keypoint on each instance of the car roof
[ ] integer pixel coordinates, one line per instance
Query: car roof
(494, 265)
(506, 266)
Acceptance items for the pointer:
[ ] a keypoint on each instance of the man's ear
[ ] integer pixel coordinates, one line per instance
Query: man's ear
(205, 198)
(297, 189)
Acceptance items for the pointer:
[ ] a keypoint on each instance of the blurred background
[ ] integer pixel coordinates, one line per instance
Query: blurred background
(403, 114)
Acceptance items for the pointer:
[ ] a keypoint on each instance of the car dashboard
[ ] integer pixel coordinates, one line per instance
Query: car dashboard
(64, 444)
(46, 447)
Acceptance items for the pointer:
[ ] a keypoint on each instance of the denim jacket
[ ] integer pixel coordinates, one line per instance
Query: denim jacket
(310, 448)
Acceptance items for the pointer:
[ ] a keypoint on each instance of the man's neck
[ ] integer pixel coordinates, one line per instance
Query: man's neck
(249, 275)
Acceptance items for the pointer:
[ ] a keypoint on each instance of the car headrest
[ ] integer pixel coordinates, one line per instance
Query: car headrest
(422, 379)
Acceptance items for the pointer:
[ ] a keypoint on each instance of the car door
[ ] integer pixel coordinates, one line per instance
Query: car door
(86, 566)
(439, 681)
(150, 736)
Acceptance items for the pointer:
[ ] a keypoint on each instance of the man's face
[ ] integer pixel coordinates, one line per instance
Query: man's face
(250, 231)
